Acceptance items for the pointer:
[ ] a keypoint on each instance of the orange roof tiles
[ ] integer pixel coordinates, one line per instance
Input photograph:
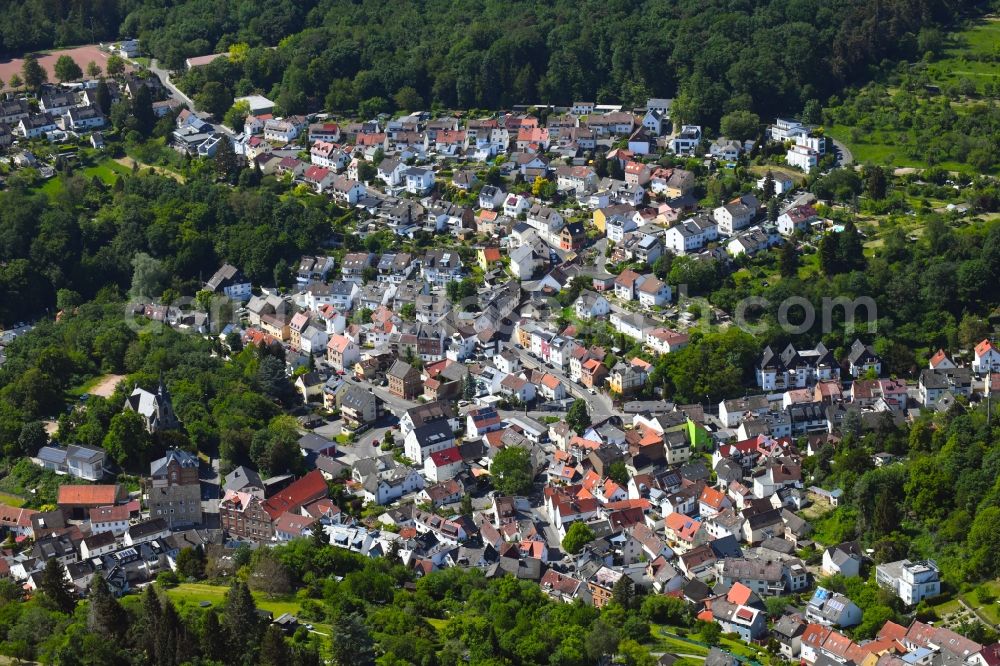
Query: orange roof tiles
(87, 495)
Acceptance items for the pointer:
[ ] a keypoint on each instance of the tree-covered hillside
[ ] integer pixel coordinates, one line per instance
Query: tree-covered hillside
(769, 56)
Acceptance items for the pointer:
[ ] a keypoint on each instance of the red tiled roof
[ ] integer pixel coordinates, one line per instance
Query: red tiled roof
(87, 495)
(984, 347)
(109, 514)
(309, 488)
(448, 456)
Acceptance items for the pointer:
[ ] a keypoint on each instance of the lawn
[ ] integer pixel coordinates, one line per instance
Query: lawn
(192, 594)
(107, 170)
(664, 641)
(12, 500)
(957, 62)
(797, 176)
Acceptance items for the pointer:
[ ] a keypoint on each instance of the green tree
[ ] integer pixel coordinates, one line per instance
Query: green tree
(273, 381)
(407, 98)
(373, 106)
(16, 81)
(632, 653)
(772, 210)
(149, 276)
(32, 438)
(351, 644)
(788, 260)
(767, 191)
(236, 115)
(56, 591)
(602, 640)
(66, 69)
(142, 110)
(710, 633)
(115, 65)
(241, 621)
(269, 575)
(623, 592)
(740, 125)
(191, 563)
(105, 616)
(469, 387)
(127, 441)
(876, 182)
(274, 650)
(578, 416)
(227, 165)
(618, 472)
(103, 97)
(32, 71)
(512, 471)
(664, 609)
(93, 69)
(212, 641)
(214, 98)
(577, 536)
(829, 256)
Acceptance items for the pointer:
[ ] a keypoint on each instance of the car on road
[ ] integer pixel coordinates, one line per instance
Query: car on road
(592, 391)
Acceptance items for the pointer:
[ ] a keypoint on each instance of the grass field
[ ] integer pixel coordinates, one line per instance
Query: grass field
(959, 61)
(192, 594)
(107, 170)
(12, 500)
(664, 642)
(797, 176)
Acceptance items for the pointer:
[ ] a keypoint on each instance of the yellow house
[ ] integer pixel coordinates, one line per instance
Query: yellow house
(487, 257)
(600, 219)
(601, 215)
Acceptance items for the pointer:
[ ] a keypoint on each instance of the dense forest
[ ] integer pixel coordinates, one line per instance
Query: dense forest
(769, 56)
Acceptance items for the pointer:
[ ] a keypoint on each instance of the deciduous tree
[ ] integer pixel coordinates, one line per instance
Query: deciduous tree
(66, 69)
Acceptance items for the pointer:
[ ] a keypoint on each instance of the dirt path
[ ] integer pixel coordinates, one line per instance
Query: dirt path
(982, 618)
(128, 162)
(106, 386)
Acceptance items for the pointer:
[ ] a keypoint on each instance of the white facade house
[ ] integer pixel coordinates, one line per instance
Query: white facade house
(281, 131)
(691, 235)
(733, 217)
(687, 140)
(796, 219)
(654, 292)
(418, 180)
(782, 183)
(802, 157)
(910, 581)
(986, 358)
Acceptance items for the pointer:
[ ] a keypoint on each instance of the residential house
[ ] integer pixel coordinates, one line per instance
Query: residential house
(733, 217)
(342, 352)
(418, 180)
(174, 490)
(590, 305)
(687, 140)
(986, 358)
(832, 609)
(404, 380)
(862, 359)
(654, 292)
(844, 560)
(910, 581)
(796, 219)
(231, 282)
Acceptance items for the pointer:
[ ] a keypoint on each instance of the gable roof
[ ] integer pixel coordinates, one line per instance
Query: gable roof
(88, 495)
